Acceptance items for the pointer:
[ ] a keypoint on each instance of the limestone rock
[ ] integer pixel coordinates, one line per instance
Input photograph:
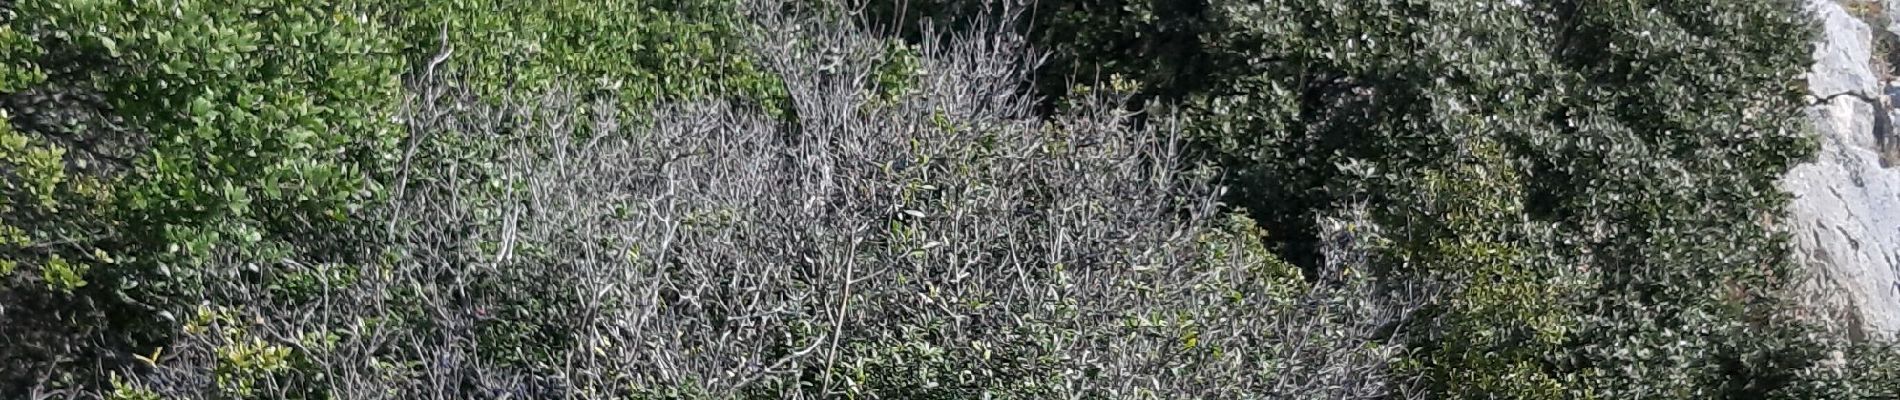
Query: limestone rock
(1845, 217)
(1843, 58)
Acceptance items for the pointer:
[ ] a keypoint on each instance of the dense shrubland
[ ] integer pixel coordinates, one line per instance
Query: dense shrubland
(1592, 182)
(928, 199)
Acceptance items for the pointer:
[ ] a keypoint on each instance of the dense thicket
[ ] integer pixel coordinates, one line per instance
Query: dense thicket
(948, 199)
(158, 155)
(1596, 179)
(144, 136)
(905, 227)
(1592, 180)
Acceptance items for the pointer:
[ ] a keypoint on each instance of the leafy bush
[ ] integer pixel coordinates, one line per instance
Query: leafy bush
(1590, 183)
(713, 199)
(939, 242)
(640, 51)
(1634, 259)
(144, 136)
(160, 154)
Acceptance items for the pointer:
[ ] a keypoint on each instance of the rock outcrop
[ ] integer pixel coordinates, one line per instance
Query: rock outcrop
(1845, 216)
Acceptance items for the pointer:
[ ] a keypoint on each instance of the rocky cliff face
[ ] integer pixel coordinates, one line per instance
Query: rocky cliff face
(1845, 216)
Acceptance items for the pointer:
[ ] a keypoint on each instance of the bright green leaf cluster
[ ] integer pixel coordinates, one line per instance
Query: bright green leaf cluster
(638, 51)
(146, 137)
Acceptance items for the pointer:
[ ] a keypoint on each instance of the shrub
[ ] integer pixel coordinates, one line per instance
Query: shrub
(160, 154)
(144, 136)
(494, 199)
(1592, 183)
(939, 242)
(642, 52)
(1856, 371)
(1631, 260)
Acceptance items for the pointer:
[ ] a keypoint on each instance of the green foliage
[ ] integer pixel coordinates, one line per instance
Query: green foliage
(242, 359)
(1593, 181)
(147, 136)
(1862, 371)
(1590, 183)
(1500, 319)
(640, 51)
(896, 68)
(1648, 137)
(1237, 241)
(1161, 43)
(122, 390)
(159, 153)
(63, 276)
